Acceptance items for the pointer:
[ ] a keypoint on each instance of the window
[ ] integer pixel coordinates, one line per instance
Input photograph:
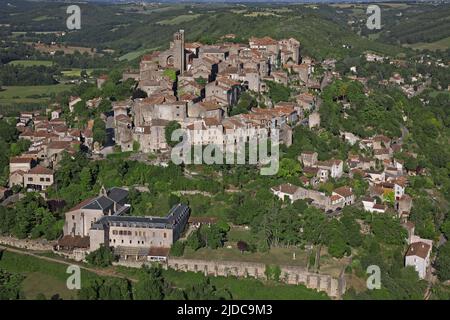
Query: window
(47, 179)
(73, 217)
(30, 179)
(41, 179)
(165, 235)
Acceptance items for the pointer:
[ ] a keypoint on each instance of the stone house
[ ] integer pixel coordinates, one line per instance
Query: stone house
(336, 167)
(346, 194)
(151, 138)
(308, 158)
(38, 178)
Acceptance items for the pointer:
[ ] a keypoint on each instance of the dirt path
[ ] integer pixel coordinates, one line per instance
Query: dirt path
(100, 272)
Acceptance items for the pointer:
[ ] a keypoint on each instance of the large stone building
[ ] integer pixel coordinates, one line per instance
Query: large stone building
(145, 232)
(175, 56)
(104, 220)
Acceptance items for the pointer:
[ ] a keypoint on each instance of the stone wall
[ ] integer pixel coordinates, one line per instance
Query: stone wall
(30, 244)
(333, 287)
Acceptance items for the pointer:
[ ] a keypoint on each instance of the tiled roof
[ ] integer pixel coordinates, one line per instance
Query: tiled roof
(40, 170)
(420, 249)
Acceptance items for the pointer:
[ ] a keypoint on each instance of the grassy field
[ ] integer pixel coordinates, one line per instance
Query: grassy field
(76, 72)
(41, 276)
(29, 94)
(442, 44)
(31, 63)
(135, 54)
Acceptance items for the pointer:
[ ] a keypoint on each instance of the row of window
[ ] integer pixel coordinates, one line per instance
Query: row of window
(131, 242)
(40, 179)
(136, 233)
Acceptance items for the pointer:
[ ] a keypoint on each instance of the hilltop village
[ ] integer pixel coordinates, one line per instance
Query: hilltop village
(202, 89)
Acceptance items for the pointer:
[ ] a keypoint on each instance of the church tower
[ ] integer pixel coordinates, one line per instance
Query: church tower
(178, 51)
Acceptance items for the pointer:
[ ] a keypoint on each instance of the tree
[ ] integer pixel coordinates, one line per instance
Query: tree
(99, 131)
(173, 200)
(242, 246)
(388, 230)
(212, 236)
(445, 228)
(443, 262)
(171, 127)
(204, 290)
(177, 248)
(195, 240)
(278, 92)
(10, 286)
(289, 168)
(86, 178)
(151, 285)
(102, 257)
(106, 289)
(273, 272)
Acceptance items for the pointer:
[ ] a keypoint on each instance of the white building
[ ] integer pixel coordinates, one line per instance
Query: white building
(371, 205)
(418, 256)
(286, 190)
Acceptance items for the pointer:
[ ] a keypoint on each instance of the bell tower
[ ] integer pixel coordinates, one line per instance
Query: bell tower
(178, 51)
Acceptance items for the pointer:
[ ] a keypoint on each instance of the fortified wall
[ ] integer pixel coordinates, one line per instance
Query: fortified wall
(333, 287)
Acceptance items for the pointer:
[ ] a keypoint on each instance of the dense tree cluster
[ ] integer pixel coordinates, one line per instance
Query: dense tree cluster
(14, 75)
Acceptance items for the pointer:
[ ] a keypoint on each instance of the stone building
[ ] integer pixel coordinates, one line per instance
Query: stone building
(175, 56)
(104, 220)
(38, 178)
(80, 218)
(141, 232)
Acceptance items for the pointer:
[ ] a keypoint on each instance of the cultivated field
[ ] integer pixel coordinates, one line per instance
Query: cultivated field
(29, 94)
(31, 63)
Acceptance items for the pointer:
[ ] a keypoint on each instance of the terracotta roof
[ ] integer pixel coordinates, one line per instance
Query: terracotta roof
(158, 252)
(344, 191)
(20, 160)
(211, 122)
(59, 144)
(40, 170)
(263, 41)
(286, 188)
(335, 197)
(82, 204)
(420, 249)
(74, 241)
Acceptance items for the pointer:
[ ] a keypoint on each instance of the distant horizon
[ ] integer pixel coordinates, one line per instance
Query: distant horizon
(253, 1)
